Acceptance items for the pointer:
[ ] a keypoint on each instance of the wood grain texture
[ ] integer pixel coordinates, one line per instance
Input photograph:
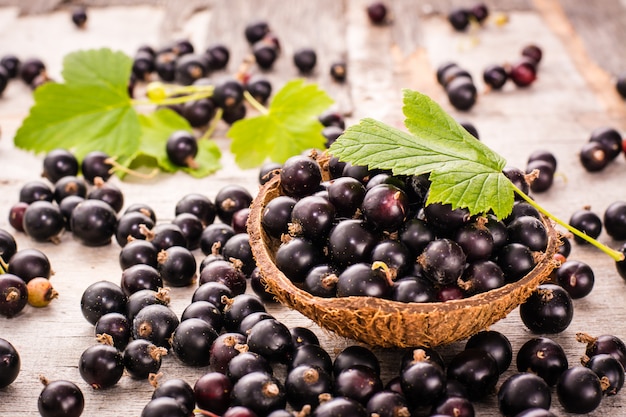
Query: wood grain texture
(557, 113)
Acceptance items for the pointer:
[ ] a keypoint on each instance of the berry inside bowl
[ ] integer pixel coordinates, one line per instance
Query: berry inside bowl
(383, 322)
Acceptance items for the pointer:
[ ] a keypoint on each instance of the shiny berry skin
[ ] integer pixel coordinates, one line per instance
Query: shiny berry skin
(296, 258)
(338, 71)
(587, 222)
(271, 339)
(576, 277)
(606, 343)
(179, 390)
(350, 242)
(312, 217)
(255, 31)
(228, 94)
(260, 89)
(192, 340)
(142, 358)
(579, 390)
(496, 344)
(143, 298)
(10, 363)
(60, 398)
(213, 292)
(181, 148)
(177, 266)
(100, 298)
(43, 221)
(356, 355)
(459, 19)
(462, 93)
(304, 385)
(520, 392)
(495, 76)
(13, 295)
(260, 392)
(523, 73)
(610, 139)
(387, 403)
(35, 190)
(59, 163)
(96, 164)
(544, 172)
(549, 309)
(609, 370)
(362, 279)
(615, 220)
(340, 406)
(212, 392)
(155, 323)
(93, 222)
(138, 252)
(443, 261)
(300, 176)
(533, 52)
(224, 348)
(422, 382)
(11, 63)
(357, 382)
(245, 363)
(199, 205)
(515, 260)
(377, 12)
(476, 370)
(277, 215)
(166, 235)
(346, 194)
(163, 406)
(475, 240)
(528, 231)
(543, 357)
(115, 325)
(230, 199)
(101, 366)
(16, 215)
(385, 207)
(265, 54)
(30, 263)
(8, 245)
(593, 156)
(30, 69)
(443, 219)
(130, 227)
(305, 59)
(190, 68)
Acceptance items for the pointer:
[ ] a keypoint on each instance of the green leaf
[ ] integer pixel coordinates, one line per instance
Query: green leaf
(463, 171)
(157, 127)
(90, 111)
(289, 127)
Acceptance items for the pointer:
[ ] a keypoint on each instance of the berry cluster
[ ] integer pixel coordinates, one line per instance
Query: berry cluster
(366, 233)
(32, 71)
(459, 85)
(522, 72)
(461, 18)
(604, 145)
(24, 277)
(378, 13)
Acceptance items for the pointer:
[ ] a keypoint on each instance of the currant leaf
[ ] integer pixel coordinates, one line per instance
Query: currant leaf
(91, 110)
(463, 171)
(289, 127)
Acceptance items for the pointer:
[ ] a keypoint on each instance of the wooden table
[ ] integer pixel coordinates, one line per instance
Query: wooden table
(573, 95)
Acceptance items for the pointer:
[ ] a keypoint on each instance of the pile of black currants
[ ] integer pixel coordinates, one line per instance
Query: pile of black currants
(369, 233)
(522, 72)
(604, 145)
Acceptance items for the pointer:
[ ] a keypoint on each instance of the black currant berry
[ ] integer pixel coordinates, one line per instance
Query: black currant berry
(192, 341)
(576, 277)
(155, 323)
(615, 220)
(115, 325)
(495, 343)
(423, 383)
(523, 72)
(549, 309)
(579, 390)
(10, 363)
(190, 68)
(230, 199)
(476, 369)
(138, 252)
(30, 263)
(543, 357)
(495, 76)
(260, 392)
(350, 242)
(300, 176)
(59, 163)
(305, 59)
(177, 266)
(296, 258)
(182, 148)
(587, 222)
(271, 339)
(142, 358)
(443, 261)
(610, 138)
(523, 391)
(93, 222)
(101, 366)
(305, 384)
(163, 406)
(609, 370)
(100, 298)
(96, 164)
(179, 390)
(60, 398)
(593, 156)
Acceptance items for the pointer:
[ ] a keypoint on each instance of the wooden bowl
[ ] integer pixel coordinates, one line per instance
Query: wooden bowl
(385, 323)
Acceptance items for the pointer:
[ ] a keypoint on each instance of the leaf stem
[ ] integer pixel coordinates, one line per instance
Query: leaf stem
(209, 131)
(616, 255)
(255, 103)
(119, 167)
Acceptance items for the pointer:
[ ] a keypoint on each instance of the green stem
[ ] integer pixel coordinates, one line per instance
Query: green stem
(175, 100)
(213, 124)
(255, 103)
(616, 255)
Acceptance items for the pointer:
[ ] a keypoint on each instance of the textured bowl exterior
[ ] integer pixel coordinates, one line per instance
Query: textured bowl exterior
(386, 323)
